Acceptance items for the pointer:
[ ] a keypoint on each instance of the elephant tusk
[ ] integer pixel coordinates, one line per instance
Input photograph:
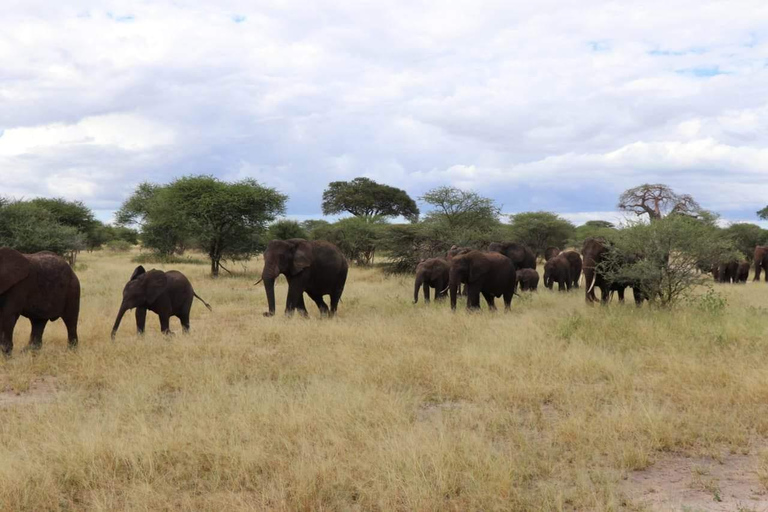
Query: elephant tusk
(594, 279)
(257, 282)
(446, 289)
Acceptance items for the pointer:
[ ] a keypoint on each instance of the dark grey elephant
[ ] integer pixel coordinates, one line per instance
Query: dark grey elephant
(431, 273)
(166, 294)
(487, 273)
(41, 287)
(727, 271)
(314, 267)
(742, 273)
(761, 262)
(574, 260)
(528, 280)
(558, 270)
(520, 255)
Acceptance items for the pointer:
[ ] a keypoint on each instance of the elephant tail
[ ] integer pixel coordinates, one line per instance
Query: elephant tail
(201, 300)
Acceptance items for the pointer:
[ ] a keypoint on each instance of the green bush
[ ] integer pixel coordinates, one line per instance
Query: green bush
(286, 229)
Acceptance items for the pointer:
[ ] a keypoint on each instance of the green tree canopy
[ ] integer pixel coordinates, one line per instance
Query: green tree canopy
(28, 227)
(225, 220)
(669, 251)
(539, 230)
(461, 208)
(285, 229)
(363, 197)
(745, 237)
(593, 229)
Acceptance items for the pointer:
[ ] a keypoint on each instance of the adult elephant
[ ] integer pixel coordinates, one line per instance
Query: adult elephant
(487, 273)
(41, 287)
(575, 263)
(594, 252)
(521, 256)
(528, 280)
(727, 272)
(166, 294)
(431, 273)
(550, 252)
(314, 267)
(742, 273)
(558, 270)
(761, 262)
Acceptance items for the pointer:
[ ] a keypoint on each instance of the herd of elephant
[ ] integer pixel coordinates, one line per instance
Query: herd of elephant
(43, 287)
(497, 272)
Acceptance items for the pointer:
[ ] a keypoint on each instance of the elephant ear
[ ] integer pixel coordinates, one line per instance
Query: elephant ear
(155, 283)
(477, 271)
(136, 273)
(302, 257)
(13, 268)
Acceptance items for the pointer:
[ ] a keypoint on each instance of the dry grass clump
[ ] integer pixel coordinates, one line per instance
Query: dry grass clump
(390, 406)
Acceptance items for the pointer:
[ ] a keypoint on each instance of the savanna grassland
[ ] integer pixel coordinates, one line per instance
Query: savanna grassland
(389, 406)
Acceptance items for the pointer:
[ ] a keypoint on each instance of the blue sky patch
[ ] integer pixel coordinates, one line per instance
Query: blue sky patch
(599, 46)
(703, 71)
(126, 18)
(238, 18)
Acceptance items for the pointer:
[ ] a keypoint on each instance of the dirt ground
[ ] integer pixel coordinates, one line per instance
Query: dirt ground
(679, 483)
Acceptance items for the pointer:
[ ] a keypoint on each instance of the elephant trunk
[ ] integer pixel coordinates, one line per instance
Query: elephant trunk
(268, 276)
(269, 287)
(116, 326)
(417, 286)
(454, 281)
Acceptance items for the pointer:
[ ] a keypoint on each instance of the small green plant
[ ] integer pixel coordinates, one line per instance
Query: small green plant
(711, 302)
(568, 327)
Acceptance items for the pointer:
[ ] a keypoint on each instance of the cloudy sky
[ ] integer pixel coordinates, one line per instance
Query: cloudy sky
(546, 105)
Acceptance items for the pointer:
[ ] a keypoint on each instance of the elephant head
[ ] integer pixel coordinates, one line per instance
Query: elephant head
(141, 291)
(287, 257)
(549, 271)
(14, 267)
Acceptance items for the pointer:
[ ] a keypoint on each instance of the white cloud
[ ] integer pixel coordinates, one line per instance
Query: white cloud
(543, 105)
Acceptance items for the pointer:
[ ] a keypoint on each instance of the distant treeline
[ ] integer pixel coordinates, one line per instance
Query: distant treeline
(235, 220)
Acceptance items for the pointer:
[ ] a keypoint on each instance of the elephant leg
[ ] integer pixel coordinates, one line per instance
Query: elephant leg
(141, 320)
(425, 288)
(621, 295)
(604, 295)
(6, 336)
(184, 319)
(36, 336)
(441, 285)
(508, 300)
(473, 297)
(70, 317)
(765, 270)
(165, 323)
(300, 306)
(321, 305)
(490, 300)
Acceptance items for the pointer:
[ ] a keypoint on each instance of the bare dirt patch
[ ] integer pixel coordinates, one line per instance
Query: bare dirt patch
(679, 483)
(41, 390)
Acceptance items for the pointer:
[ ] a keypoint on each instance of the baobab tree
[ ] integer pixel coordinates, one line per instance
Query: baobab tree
(657, 201)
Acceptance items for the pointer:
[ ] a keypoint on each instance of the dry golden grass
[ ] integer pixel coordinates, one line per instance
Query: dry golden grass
(390, 406)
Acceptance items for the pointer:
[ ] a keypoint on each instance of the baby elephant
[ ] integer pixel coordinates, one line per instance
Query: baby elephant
(431, 273)
(166, 293)
(528, 279)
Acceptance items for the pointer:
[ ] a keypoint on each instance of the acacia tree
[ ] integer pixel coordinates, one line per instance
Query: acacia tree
(225, 220)
(539, 230)
(461, 208)
(29, 228)
(363, 197)
(656, 201)
(667, 254)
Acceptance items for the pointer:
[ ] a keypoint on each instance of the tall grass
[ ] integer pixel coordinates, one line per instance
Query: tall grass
(390, 406)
